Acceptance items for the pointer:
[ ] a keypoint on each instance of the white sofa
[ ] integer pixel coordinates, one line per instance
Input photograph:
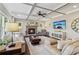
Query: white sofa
(63, 47)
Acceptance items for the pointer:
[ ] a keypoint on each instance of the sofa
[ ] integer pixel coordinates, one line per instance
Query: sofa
(13, 49)
(17, 45)
(8, 47)
(64, 47)
(43, 33)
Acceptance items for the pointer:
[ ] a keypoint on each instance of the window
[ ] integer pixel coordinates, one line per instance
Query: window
(0, 26)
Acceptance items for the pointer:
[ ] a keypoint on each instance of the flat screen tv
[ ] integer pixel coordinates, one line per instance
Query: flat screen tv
(59, 24)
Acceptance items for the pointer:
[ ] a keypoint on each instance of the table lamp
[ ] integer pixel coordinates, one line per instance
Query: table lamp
(12, 27)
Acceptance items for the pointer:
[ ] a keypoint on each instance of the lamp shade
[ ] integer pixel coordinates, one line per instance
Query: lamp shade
(12, 27)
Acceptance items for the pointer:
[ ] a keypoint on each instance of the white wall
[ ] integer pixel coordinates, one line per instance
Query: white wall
(24, 23)
(69, 19)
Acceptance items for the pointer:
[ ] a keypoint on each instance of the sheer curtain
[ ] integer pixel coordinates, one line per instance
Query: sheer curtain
(2, 26)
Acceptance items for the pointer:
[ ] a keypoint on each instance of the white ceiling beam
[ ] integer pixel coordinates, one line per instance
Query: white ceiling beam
(60, 7)
(31, 11)
(22, 13)
(46, 8)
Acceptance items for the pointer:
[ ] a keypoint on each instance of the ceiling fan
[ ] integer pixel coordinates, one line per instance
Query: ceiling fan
(41, 14)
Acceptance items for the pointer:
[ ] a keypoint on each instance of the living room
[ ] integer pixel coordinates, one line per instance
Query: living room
(39, 28)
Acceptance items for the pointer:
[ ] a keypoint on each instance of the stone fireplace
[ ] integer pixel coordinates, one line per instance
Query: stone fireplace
(31, 30)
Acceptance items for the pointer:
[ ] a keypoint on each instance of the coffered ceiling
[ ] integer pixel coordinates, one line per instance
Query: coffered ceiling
(30, 10)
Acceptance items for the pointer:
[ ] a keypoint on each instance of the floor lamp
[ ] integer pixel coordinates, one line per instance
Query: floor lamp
(12, 27)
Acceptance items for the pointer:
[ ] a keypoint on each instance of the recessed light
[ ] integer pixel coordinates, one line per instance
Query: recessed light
(75, 6)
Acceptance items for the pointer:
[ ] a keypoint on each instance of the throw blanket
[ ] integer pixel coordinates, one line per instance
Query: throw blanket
(71, 48)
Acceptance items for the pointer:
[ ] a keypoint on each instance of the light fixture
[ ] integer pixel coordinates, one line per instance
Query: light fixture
(12, 27)
(75, 6)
